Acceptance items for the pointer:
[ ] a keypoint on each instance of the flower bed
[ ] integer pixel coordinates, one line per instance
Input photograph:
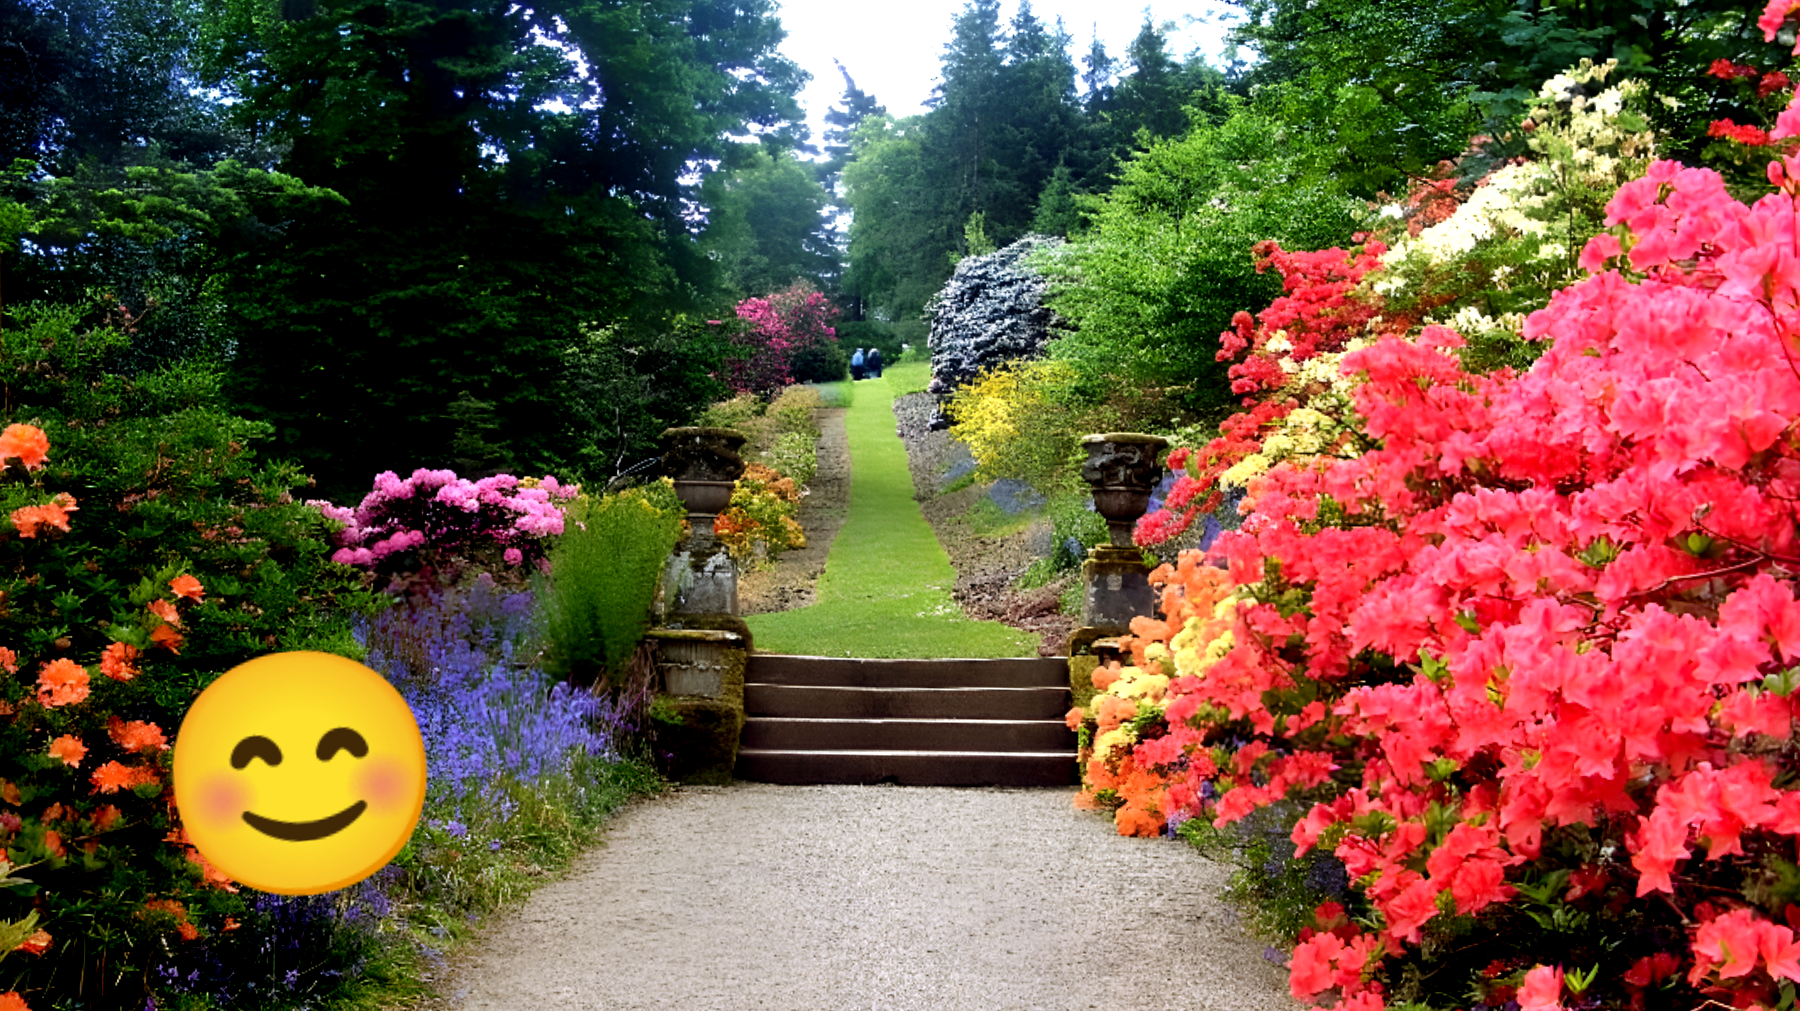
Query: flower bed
(1525, 655)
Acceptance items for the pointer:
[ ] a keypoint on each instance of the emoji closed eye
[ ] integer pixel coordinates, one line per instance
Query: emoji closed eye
(255, 747)
(342, 739)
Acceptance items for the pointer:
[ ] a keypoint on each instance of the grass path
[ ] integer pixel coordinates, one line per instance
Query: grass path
(886, 587)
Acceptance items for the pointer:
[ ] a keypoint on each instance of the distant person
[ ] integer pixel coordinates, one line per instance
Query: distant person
(873, 362)
(856, 365)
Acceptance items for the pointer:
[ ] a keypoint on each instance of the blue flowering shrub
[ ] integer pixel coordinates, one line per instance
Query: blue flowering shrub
(522, 769)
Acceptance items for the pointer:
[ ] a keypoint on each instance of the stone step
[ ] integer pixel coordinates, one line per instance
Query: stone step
(1020, 672)
(841, 703)
(800, 734)
(908, 768)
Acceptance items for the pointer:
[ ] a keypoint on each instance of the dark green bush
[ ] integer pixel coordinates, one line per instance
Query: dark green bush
(165, 484)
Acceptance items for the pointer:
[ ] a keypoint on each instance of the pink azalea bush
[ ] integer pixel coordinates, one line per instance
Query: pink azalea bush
(1533, 655)
(428, 526)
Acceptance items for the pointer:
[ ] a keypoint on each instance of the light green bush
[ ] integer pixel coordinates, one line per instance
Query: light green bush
(604, 571)
(792, 411)
(739, 412)
(796, 455)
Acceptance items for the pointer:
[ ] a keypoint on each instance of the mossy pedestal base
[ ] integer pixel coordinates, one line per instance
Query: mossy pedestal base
(1116, 589)
(699, 711)
(1089, 648)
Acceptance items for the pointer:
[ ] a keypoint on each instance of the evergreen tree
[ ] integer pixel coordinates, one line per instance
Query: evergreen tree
(1058, 209)
(767, 226)
(1038, 120)
(1149, 98)
(500, 197)
(840, 122)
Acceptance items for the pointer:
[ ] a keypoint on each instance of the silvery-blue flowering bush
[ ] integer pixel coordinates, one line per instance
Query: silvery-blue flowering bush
(991, 311)
(423, 531)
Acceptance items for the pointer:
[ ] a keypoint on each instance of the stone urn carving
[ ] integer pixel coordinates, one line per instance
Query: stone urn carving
(705, 465)
(1122, 468)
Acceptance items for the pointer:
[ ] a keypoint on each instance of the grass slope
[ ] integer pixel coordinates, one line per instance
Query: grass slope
(886, 587)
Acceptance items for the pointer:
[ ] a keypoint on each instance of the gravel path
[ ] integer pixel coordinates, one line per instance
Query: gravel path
(871, 897)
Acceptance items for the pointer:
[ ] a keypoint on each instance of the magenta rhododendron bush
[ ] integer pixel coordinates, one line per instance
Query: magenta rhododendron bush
(777, 328)
(1535, 653)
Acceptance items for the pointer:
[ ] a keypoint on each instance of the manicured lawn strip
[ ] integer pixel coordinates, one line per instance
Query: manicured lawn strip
(886, 587)
(910, 377)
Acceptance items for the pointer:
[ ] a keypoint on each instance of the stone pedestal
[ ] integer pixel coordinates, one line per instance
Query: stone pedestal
(1122, 468)
(1116, 589)
(699, 715)
(702, 578)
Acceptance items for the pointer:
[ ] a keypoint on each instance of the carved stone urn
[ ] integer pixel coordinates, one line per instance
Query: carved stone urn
(704, 462)
(1122, 468)
(705, 465)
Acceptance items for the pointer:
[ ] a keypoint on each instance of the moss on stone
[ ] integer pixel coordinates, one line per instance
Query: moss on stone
(1081, 679)
(703, 747)
(718, 622)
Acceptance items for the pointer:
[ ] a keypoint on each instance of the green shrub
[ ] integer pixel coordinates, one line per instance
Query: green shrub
(1075, 527)
(796, 455)
(166, 485)
(738, 412)
(604, 571)
(823, 362)
(792, 411)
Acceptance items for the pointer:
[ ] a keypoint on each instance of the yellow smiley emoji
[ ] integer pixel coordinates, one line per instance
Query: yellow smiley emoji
(299, 773)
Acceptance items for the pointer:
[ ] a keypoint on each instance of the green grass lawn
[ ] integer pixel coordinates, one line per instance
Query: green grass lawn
(886, 587)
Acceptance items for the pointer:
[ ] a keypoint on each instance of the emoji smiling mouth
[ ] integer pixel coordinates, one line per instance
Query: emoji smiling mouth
(306, 831)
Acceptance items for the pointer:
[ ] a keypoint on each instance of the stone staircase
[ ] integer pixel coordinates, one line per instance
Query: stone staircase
(914, 722)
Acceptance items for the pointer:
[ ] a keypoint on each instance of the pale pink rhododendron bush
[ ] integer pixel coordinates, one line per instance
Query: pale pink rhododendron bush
(1533, 654)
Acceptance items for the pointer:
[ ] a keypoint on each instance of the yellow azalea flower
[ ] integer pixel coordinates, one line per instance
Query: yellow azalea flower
(1106, 743)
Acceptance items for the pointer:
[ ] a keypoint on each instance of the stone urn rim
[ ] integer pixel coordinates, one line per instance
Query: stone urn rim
(1128, 438)
(705, 432)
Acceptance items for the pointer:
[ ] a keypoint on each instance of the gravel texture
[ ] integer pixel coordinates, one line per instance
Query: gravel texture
(877, 897)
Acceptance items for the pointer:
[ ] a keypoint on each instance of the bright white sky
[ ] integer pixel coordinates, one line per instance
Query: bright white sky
(892, 50)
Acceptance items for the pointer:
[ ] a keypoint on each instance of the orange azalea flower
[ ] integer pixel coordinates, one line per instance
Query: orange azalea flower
(27, 443)
(11, 1001)
(104, 817)
(210, 876)
(187, 930)
(9, 792)
(187, 586)
(31, 519)
(9, 660)
(166, 611)
(116, 661)
(55, 812)
(138, 735)
(231, 923)
(53, 843)
(68, 749)
(36, 944)
(62, 682)
(113, 777)
(165, 636)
